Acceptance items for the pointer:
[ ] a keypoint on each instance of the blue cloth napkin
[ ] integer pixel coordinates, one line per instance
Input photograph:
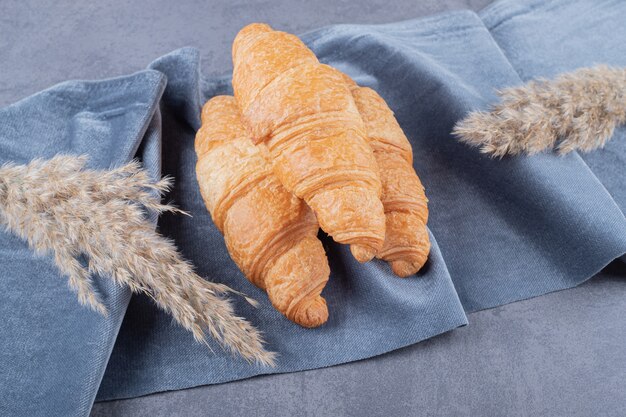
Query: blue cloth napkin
(53, 352)
(581, 34)
(502, 230)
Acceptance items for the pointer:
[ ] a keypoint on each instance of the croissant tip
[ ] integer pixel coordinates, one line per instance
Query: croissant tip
(362, 253)
(405, 268)
(410, 264)
(313, 314)
(252, 29)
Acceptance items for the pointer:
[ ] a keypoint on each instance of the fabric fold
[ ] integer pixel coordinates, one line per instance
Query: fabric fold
(594, 35)
(53, 351)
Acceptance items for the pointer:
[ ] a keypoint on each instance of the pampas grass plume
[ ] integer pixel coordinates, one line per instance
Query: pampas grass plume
(575, 111)
(60, 207)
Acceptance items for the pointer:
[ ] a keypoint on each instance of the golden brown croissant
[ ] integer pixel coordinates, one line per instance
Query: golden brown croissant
(269, 233)
(407, 244)
(304, 112)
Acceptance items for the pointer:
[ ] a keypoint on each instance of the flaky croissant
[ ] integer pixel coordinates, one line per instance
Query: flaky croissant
(270, 233)
(407, 244)
(305, 115)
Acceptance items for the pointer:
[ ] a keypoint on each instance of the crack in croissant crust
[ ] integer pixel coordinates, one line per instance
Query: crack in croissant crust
(407, 244)
(304, 113)
(270, 233)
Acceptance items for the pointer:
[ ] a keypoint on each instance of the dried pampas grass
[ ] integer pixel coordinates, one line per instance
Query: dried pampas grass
(579, 110)
(60, 207)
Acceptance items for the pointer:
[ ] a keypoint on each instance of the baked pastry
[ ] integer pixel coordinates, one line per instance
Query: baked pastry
(270, 233)
(303, 113)
(407, 243)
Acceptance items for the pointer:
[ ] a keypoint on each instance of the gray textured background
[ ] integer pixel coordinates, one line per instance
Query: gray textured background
(558, 355)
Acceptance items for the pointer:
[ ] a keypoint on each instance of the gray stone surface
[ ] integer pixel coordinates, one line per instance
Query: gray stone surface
(70, 39)
(560, 371)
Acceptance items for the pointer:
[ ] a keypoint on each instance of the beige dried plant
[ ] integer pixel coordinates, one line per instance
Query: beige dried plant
(575, 111)
(60, 207)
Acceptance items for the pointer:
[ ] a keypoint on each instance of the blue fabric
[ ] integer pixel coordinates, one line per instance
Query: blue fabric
(594, 34)
(53, 352)
(502, 230)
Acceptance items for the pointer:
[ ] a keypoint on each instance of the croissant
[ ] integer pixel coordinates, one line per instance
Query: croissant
(406, 244)
(303, 113)
(270, 234)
